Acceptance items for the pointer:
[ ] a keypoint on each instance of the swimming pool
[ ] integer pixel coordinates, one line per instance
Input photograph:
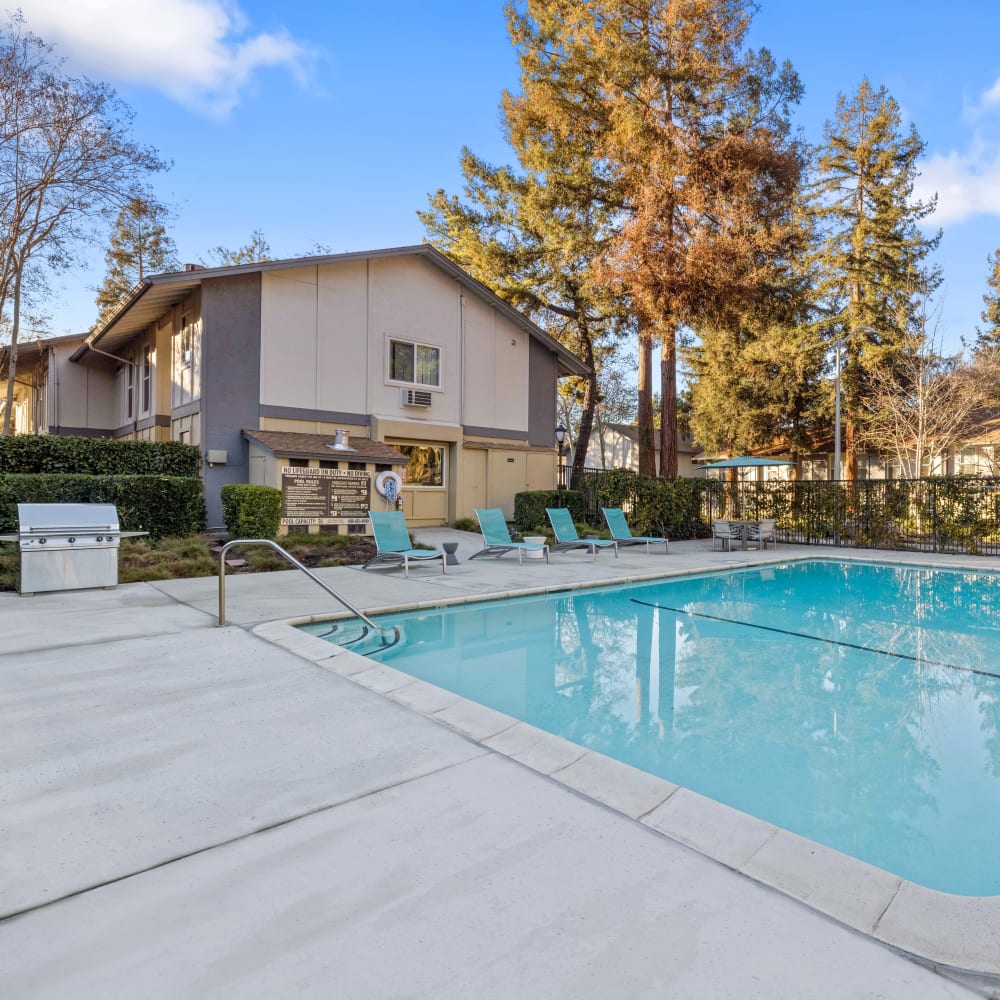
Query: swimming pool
(857, 705)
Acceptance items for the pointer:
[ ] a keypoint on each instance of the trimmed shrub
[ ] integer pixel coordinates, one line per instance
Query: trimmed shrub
(161, 505)
(529, 507)
(668, 507)
(57, 453)
(251, 511)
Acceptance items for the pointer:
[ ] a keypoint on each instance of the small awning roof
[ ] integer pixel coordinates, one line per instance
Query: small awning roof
(745, 461)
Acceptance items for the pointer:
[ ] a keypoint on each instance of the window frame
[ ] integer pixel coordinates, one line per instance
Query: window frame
(416, 345)
(129, 388)
(437, 446)
(146, 380)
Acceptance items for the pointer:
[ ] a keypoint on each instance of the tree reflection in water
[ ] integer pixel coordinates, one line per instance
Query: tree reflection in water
(893, 760)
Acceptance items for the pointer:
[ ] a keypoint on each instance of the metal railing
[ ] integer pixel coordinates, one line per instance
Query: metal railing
(936, 514)
(312, 576)
(958, 514)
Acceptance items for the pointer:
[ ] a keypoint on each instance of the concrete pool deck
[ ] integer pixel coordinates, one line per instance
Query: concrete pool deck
(192, 811)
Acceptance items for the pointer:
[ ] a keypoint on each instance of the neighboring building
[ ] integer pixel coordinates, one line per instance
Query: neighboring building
(418, 362)
(50, 395)
(616, 446)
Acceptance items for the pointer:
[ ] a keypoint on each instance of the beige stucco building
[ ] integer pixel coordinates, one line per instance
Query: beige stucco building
(399, 348)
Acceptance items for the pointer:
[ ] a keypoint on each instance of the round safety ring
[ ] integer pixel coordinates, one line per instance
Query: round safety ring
(388, 484)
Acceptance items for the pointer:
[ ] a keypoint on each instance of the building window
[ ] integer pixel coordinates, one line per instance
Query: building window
(815, 469)
(426, 465)
(414, 364)
(146, 377)
(967, 462)
(186, 363)
(130, 390)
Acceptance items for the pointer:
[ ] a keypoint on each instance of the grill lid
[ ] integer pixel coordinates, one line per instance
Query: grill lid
(48, 518)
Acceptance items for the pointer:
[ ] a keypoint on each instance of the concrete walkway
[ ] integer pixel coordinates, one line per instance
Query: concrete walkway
(191, 811)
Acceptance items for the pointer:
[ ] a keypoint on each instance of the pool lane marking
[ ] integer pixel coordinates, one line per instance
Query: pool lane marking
(817, 638)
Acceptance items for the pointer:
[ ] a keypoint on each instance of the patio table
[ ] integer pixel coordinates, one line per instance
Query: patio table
(742, 531)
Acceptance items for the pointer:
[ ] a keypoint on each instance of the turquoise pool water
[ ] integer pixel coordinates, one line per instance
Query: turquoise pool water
(856, 705)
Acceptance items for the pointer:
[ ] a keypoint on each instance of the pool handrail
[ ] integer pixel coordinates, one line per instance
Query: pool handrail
(277, 548)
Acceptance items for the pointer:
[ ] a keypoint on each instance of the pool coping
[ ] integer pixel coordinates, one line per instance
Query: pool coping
(957, 935)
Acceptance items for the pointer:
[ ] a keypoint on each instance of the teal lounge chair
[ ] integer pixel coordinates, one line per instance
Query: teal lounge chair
(567, 538)
(392, 539)
(496, 537)
(620, 530)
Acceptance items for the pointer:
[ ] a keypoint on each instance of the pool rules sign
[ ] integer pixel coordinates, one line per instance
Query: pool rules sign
(324, 496)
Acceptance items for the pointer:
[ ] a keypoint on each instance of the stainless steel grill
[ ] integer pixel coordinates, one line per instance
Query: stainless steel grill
(67, 546)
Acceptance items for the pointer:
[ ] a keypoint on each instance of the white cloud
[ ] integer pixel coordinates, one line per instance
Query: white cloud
(198, 52)
(967, 182)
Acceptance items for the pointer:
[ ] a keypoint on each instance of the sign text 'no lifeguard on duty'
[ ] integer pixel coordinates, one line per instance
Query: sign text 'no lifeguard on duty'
(324, 496)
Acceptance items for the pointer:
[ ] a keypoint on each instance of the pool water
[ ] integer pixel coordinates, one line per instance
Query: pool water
(857, 705)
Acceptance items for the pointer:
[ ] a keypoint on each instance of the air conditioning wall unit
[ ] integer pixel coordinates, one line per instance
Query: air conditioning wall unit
(414, 397)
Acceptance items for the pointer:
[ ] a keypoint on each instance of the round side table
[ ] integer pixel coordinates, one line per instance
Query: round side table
(450, 548)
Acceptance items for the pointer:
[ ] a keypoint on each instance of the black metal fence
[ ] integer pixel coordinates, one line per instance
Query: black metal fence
(937, 514)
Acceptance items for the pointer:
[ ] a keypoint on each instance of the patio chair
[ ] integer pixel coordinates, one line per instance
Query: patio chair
(723, 535)
(392, 539)
(763, 532)
(496, 537)
(621, 533)
(567, 538)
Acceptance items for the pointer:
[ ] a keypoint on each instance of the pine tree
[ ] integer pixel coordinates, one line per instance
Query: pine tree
(687, 147)
(989, 337)
(873, 256)
(759, 381)
(257, 250)
(535, 248)
(139, 246)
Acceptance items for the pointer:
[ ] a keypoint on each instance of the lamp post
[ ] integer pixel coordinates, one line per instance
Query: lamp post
(838, 345)
(560, 438)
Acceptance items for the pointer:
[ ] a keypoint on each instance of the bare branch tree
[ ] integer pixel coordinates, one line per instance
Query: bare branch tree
(925, 403)
(65, 154)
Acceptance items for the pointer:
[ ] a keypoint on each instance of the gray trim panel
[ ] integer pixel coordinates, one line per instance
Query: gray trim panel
(90, 432)
(495, 432)
(327, 416)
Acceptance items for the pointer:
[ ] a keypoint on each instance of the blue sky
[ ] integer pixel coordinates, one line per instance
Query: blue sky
(330, 122)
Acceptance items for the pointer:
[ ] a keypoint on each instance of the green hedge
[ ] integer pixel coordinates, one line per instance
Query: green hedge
(56, 453)
(669, 507)
(251, 511)
(529, 507)
(161, 505)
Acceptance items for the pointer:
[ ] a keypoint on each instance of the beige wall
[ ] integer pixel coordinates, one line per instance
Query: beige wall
(325, 333)
(80, 396)
(496, 369)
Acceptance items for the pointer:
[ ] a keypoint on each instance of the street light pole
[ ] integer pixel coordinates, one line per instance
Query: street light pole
(836, 412)
(560, 438)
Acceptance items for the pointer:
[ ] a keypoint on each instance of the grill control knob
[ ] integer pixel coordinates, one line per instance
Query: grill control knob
(71, 539)
(42, 541)
(100, 538)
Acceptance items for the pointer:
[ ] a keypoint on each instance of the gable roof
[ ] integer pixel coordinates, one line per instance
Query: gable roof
(157, 293)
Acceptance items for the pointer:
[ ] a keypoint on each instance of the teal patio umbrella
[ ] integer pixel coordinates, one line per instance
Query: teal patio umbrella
(745, 461)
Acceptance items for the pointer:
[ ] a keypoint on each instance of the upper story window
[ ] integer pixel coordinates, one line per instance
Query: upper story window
(186, 361)
(414, 364)
(146, 379)
(129, 372)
